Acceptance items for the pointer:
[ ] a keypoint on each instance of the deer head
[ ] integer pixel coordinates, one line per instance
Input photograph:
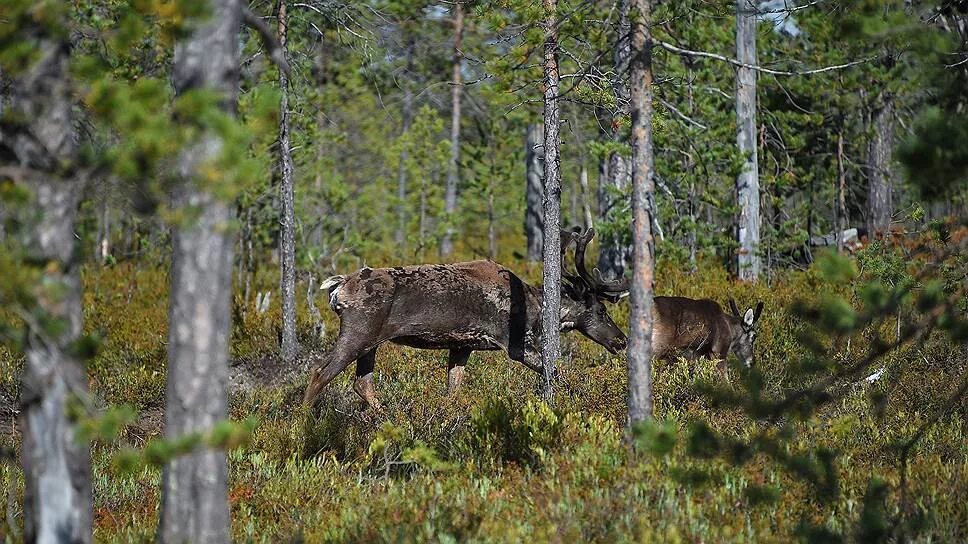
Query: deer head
(744, 332)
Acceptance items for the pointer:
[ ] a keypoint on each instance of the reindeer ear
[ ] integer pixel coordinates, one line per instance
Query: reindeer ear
(733, 308)
(748, 318)
(757, 311)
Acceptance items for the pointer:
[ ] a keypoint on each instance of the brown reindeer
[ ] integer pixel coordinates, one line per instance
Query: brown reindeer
(461, 307)
(700, 328)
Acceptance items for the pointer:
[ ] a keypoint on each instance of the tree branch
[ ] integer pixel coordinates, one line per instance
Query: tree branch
(269, 40)
(669, 47)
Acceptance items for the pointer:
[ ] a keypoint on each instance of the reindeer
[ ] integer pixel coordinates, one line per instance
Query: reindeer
(461, 307)
(700, 328)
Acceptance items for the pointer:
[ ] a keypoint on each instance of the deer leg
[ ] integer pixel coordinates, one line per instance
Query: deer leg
(455, 369)
(342, 355)
(364, 380)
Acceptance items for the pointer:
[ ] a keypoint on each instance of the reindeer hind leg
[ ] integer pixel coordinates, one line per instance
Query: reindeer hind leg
(364, 380)
(455, 369)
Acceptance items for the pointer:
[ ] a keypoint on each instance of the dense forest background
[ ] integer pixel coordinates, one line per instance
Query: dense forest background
(138, 153)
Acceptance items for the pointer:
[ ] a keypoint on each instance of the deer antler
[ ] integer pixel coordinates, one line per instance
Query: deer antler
(598, 284)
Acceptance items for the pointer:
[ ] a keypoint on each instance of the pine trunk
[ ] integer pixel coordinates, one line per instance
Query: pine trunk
(551, 290)
(194, 501)
(747, 183)
(57, 467)
(880, 204)
(643, 186)
(534, 191)
(401, 234)
(287, 245)
(453, 173)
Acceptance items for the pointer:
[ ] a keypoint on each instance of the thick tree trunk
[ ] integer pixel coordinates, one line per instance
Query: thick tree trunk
(747, 182)
(453, 173)
(880, 205)
(614, 254)
(534, 191)
(551, 290)
(194, 500)
(57, 473)
(643, 186)
(401, 234)
(287, 241)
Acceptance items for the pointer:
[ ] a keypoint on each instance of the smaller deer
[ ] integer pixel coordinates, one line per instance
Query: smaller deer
(700, 328)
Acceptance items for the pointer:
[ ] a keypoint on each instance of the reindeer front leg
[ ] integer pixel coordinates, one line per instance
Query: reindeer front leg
(364, 380)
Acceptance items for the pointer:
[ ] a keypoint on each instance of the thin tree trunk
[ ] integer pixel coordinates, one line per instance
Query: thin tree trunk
(534, 191)
(401, 234)
(287, 246)
(586, 208)
(194, 499)
(56, 465)
(643, 186)
(747, 182)
(614, 253)
(551, 275)
(880, 204)
(102, 248)
(491, 225)
(453, 174)
(840, 207)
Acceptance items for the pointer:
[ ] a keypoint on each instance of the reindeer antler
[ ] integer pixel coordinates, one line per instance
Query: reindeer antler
(609, 288)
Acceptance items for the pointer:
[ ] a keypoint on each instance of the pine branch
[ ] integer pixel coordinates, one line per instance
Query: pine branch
(679, 50)
(269, 40)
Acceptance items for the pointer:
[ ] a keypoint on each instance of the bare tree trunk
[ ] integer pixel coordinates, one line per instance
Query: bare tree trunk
(287, 245)
(491, 224)
(880, 204)
(102, 248)
(534, 192)
(747, 183)
(583, 182)
(551, 275)
(840, 207)
(614, 253)
(643, 186)
(453, 174)
(401, 235)
(56, 465)
(194, 500)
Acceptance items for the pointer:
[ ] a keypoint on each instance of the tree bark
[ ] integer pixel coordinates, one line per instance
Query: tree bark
(614, 255)
(453, 173)
(57, 473)
(880, 204)
(840, 207)
(287, 245)
(747, 182)
(551, 275)
(194, 500)
(643, 186)
(534, 191)
(401, 234)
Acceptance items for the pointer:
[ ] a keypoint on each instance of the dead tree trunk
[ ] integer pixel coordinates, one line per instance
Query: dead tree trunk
(534, 191)
(551, 290)
(840, 207)
(453, 173)
(880, 204)
(194, 500)
(287, 240)
(57, 473)
(643, 186)
(614, 252)
(747, 182)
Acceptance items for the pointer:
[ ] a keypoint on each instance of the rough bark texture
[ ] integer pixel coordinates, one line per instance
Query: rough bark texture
(747, 182)
(614, 255)
(453, 174)
(643, 185)
(194, 501)
(57, 480)
(287, 241)
(551, 275)
(534, 192)
(880, 204)
(401, 234)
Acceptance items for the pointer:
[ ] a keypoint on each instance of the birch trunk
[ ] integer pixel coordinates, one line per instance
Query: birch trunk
(453, 174)
(551, 275)
(194, 500)
(747, 182)
(643, 186)
(287, 245)
(534, 191)
(57, 473)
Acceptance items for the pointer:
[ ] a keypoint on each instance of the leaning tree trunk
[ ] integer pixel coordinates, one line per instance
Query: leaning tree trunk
(643, 186)
(551, 291)
(534, 191)
(453, 174)
(287, 245)
(747, 182)
(194, 500)
(880, 204)
(614, 253)
(42, 146)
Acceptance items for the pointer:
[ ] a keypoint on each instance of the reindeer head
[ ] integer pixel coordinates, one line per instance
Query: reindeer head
(583, 297)
(744, 332)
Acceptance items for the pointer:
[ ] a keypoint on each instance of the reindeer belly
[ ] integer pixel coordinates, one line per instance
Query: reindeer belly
(466, 339)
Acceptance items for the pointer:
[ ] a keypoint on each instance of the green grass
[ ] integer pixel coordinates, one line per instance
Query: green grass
(494, 464)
